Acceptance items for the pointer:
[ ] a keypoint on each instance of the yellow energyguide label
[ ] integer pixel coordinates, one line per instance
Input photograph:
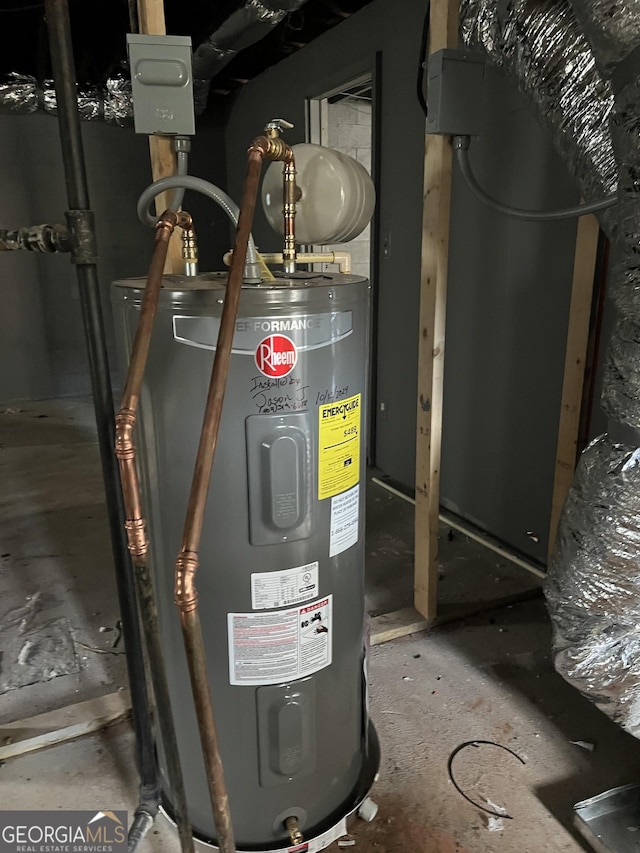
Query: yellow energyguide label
(339, 446)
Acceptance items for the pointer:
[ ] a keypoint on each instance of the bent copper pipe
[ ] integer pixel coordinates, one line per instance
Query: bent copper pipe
(135, 523)
(186, 597)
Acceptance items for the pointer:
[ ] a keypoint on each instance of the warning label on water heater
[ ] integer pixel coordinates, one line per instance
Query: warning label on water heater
(339, 450)
(268, 648)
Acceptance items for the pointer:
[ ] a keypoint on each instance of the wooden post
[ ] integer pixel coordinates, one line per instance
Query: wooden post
(433, 293)
(574, 366)
(163, 157)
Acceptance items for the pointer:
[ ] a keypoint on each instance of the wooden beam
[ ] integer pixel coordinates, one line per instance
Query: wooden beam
(433, 293)
(163, 157)
(574, 366)
(401, 623)
(398, 623)
(151, 17)
(64, 724)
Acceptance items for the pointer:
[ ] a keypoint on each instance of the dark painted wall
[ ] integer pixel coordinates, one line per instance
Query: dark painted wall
(509, 282)
(393, 28)
(42, 350)
(507, 314)
(508, 289)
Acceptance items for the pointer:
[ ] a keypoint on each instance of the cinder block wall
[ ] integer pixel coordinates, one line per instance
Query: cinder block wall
(350, 132)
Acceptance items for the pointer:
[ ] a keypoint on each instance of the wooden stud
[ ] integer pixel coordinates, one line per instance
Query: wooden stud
(63, 724)
(401, 623)
(151, 18)
(433, 292)
(574, 366)
(163, 158)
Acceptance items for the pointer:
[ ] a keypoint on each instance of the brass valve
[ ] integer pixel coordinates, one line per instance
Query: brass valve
(293, 828)
(274, 128)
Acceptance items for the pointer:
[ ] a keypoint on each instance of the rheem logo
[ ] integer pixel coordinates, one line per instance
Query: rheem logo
(276, 355)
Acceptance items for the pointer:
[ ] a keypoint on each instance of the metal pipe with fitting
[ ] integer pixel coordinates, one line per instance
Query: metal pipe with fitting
(220, 197)
(289, 195)
(135, 525)
(84, 255)
(342, 259)
(47, 239)
(289, 210)
(295, 833)
(190, 252)
(187, 562)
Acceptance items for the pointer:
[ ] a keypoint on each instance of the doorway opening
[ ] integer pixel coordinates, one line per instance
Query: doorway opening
(343, 119)
(346, 117)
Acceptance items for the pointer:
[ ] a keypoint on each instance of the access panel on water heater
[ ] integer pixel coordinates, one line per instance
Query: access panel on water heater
(279, 464)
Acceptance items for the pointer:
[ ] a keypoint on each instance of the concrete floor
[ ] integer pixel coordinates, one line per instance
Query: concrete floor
(489, 678)
(58, 606)
(483, 678)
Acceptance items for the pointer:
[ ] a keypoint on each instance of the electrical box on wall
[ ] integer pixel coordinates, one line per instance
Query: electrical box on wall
(162, 84)
(455, 93)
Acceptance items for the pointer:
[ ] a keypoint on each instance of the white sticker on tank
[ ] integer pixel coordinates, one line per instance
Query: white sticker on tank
(282, 645)
(324, 840)
(344, 521)
(282, 589)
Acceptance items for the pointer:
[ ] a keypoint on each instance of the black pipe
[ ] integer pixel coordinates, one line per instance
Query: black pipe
(80, 219)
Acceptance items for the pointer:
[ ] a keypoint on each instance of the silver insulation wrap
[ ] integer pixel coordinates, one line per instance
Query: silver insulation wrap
(19, 93)
(112, 103)
(621, 386)
(593, 586)
(612, 27)
(244, 27)
(539, 43)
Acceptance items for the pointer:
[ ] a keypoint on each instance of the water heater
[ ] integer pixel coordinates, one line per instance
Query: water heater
(281, 578)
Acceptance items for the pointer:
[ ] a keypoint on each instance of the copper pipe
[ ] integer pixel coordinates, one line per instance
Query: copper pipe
(135, 523)
(126, 417)
(186, 596)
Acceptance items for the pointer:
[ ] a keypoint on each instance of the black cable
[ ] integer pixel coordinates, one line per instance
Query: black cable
(422, 61)
(477, 743)
(461, 147)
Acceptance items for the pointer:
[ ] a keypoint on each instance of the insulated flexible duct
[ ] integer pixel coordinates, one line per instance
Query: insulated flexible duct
(593, 585)
(113, 102)
(540, 45)
(252, 21)
(571, 75)
(612, 27)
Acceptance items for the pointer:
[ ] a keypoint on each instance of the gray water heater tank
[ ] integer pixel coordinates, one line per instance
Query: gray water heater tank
(281, 578)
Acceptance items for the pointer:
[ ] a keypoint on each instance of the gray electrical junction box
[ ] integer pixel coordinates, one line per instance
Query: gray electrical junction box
(162, 84)
(455, 93)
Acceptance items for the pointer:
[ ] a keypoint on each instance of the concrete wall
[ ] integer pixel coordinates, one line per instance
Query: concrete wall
(350, 130)
(42, 349)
